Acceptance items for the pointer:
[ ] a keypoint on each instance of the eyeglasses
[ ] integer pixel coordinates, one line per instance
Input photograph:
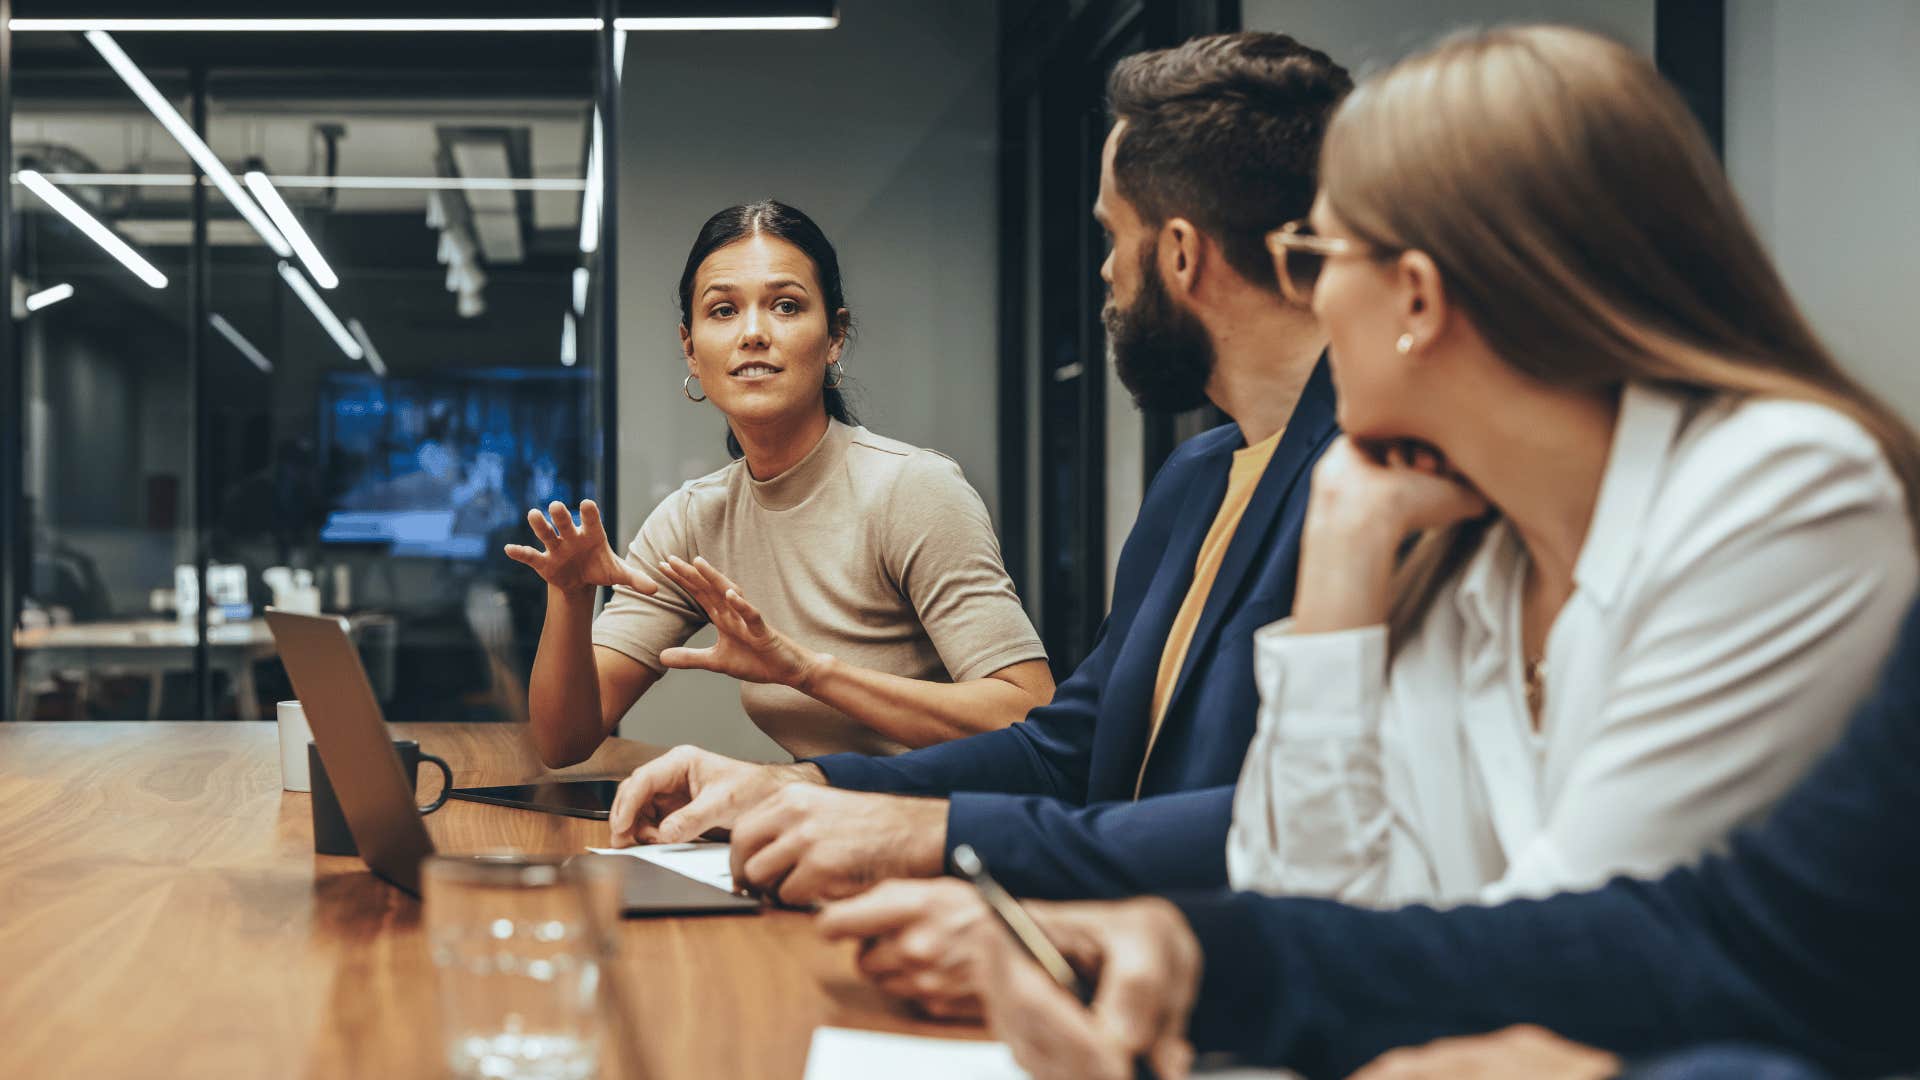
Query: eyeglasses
(1299, 254)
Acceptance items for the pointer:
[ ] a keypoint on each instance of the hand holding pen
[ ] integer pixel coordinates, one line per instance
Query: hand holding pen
(1130, 1025)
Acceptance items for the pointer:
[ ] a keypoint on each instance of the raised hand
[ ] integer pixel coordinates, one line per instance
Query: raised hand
(1401, 486)
(577, 558)
(1366, 500)
(748, 648)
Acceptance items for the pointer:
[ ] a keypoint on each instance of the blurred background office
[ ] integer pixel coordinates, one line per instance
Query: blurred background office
(311, 312)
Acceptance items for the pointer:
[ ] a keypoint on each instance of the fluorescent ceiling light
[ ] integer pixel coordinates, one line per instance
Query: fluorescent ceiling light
(581, 279)
(590, 199)
(396, 183)
(183, 133)
(569, 354)
(378, 365)
(87, 179)
(151, 234)
(436, 183)
(290, 228)
(258, 25)
(328, 320)
(307, 24)
(108, 239)
(239, 341)
(494, 215)
(49, 296)
(733, 22)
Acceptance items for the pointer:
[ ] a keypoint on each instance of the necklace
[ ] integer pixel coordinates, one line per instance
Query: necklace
(1535, 674)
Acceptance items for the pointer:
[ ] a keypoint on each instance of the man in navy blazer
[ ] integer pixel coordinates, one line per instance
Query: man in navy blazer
(1089, 796)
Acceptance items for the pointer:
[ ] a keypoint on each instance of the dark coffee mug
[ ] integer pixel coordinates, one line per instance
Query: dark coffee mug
(331, 836)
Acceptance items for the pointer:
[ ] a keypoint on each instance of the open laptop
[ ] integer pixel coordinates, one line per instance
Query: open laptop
(375, 797)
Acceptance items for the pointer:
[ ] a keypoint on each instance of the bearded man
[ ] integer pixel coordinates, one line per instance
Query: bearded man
(1124, 783)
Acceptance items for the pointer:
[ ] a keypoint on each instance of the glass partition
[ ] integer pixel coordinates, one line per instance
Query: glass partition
(106, 397)
(375, 346)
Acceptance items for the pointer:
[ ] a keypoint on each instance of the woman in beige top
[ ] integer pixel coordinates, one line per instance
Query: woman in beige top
(855, 582)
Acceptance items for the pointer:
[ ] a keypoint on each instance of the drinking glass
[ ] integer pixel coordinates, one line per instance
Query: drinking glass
(521, 943)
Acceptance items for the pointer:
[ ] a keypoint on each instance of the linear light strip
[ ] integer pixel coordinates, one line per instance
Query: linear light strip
(436, 183)
(569, 348)
(590, 198)
(189, 140)
(397, 183)
(291, 228)
(728, 22)
(582, 279)
(378, 365)
(307, 24)
(259, 25)
(328, 320)
(119, 179)
(49, 296)
(239, 341)
(107, 239)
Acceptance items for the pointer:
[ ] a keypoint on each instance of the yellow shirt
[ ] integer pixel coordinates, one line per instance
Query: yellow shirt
(1249, 464)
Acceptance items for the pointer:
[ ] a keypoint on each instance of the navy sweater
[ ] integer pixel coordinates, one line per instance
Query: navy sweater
(1804, 935)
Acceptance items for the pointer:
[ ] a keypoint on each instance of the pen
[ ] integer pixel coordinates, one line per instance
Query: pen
(1027, 932)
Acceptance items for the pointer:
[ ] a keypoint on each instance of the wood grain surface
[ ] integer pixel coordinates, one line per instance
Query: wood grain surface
(162, 914)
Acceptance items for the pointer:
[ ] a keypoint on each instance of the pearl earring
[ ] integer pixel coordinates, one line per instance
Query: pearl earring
(1404, 345)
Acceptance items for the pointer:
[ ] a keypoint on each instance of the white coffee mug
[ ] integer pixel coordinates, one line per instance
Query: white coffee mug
(294, 736)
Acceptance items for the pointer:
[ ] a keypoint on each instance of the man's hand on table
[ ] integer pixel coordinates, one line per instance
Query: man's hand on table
(806, 842)
(1516, 1053)
(1144, 963)
(686, 791)
(913, 937)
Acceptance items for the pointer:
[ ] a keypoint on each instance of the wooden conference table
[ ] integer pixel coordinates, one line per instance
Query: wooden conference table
(162, 914)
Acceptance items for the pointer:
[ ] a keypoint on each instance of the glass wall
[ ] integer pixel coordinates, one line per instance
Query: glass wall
(106, 396)
(343, 399)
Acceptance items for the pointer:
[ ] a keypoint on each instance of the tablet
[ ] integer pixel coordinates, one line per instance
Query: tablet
(574, 798)
(650, 889)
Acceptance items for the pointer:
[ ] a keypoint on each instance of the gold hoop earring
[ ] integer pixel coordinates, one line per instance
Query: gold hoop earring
(1404, 345)
(686, 387)
(839, 375)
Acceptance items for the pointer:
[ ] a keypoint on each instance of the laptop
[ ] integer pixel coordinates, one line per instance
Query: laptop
(375, 797)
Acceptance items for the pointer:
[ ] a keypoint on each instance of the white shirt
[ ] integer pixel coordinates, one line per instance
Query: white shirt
(1740, 584)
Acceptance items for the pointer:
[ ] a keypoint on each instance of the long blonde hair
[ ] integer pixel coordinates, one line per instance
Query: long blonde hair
(1579, 217)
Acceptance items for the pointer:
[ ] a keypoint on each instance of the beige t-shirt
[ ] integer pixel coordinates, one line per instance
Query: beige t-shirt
(869, 549)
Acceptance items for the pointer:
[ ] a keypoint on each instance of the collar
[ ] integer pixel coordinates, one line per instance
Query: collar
(1481, 593)
(797, 484)
(1649, 425)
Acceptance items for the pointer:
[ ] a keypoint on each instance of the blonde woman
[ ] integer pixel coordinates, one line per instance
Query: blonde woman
(1663, 540)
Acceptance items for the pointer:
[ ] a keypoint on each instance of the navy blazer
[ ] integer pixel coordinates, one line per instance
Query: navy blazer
(1049, 802)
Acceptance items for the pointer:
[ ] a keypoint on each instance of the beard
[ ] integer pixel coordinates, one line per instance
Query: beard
(1160, 351)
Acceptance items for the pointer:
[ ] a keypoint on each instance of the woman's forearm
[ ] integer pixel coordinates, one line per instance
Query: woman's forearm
(917, 713)
(563, 698)
(1346, 566)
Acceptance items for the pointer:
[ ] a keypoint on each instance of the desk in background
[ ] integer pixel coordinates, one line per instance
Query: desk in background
(155, 647)
(162, 914)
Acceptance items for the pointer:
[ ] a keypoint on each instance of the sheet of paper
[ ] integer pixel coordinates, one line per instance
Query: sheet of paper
(846, 1054)
(703, 862)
